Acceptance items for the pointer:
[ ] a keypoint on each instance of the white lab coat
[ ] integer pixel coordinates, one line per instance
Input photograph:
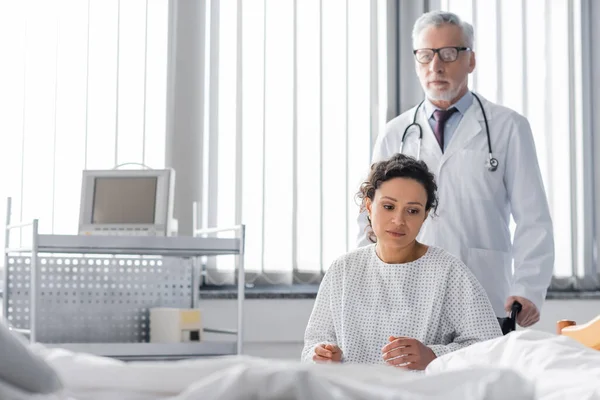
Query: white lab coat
(475, 204)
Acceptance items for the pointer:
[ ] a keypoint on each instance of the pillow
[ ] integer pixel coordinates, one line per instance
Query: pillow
(21, 369)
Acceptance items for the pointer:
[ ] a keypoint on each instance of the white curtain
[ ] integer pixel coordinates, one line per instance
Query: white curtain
(82, 85)
(532, 57)
(295, 95)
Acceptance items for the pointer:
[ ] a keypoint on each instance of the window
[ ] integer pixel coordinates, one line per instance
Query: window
(529, 58)
(82, 85)
(300, 93)
(295, 92)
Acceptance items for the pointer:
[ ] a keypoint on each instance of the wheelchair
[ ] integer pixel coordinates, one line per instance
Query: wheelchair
(509, 324)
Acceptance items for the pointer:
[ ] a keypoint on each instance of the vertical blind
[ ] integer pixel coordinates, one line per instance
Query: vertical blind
(530, 58)
(295, 91)
(82, 85)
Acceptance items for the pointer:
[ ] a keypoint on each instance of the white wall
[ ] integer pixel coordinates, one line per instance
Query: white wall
(274, 328)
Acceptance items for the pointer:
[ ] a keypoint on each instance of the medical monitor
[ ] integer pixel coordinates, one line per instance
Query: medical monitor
(127, 202)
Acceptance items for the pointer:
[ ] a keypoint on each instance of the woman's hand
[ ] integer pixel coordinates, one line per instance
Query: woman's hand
(327, 353)
(412, 353)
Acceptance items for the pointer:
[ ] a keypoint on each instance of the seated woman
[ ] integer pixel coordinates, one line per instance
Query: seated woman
(397, 301)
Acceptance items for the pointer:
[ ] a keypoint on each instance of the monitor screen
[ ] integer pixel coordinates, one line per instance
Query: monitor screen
(127, 200)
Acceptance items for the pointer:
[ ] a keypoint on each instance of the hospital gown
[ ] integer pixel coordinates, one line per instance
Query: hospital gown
(362, 301)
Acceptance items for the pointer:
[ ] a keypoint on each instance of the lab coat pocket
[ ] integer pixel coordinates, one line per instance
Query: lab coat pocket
(492, 270)
(475, 179)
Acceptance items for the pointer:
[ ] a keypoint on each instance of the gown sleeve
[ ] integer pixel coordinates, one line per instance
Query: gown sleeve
(320, 328)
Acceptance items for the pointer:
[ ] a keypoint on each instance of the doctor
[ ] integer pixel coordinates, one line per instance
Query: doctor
(484, 159)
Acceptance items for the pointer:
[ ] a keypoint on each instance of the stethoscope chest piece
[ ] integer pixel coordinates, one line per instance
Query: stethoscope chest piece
(492, 163)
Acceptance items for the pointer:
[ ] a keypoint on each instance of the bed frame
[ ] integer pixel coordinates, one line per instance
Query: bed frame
(587, 334)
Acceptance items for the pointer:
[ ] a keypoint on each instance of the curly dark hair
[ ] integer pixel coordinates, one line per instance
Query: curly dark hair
(398, 166)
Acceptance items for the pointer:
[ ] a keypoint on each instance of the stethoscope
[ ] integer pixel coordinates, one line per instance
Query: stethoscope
(493, 162)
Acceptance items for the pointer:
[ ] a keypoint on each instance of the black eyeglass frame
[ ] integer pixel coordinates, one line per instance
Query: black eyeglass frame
(457, 48)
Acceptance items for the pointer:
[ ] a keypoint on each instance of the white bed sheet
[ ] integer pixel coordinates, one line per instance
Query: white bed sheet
(523, 365)
(228, 378)
(557, 366)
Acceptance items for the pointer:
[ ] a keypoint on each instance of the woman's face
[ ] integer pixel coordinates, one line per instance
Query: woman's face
(398, 211)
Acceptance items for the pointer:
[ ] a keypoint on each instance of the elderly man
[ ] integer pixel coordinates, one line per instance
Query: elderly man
(484, 159)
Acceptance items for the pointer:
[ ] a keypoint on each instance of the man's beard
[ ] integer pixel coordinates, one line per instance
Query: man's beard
(442, 95)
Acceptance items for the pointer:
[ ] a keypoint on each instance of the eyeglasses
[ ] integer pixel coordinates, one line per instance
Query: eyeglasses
(446, 54)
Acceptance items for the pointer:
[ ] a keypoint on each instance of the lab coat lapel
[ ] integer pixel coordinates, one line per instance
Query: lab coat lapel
(467, 129)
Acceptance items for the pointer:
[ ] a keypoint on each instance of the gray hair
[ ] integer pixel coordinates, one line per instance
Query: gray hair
(438, 18)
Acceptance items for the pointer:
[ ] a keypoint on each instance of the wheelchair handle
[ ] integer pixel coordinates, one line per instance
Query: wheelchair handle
(515, 309)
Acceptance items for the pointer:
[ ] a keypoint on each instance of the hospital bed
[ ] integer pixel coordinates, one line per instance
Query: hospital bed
(523, 365)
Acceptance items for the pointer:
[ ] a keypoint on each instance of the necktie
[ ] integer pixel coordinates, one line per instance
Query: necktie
(441, 117)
